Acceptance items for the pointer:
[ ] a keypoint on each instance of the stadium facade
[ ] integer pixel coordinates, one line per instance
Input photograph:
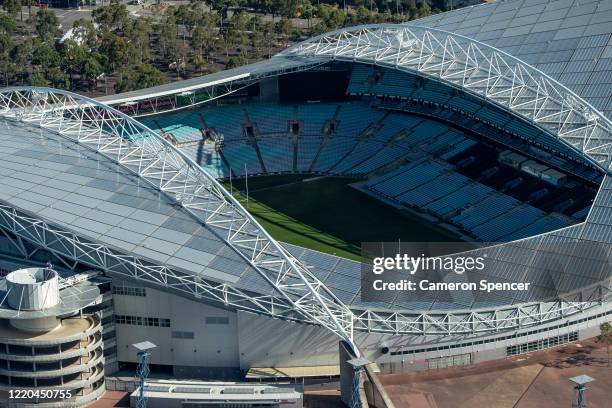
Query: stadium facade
(98, 194)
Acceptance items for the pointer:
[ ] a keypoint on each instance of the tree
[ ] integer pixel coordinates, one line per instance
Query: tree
(139, 33)
(6, 62)
(307, 10)
(12, 7)
(92, 69)
(186, 17)
(412, 9)
(7, 24)
(6, 42)
(21, 56)
(606, 337)
(84, 33)
(442, 5)
(199, 63)
(46, 23)
(113, 17)
(424, 9)
(167, 37)
(284, 27)
(267, 31)
(73, 56)
(236, 61)
(37, 79)
(116, 50)
(362, 16)
(240, 21)
(257, 37)
(138, 77)
(204, 36)
(331, 18)
(234, 34)
(58, 78)
(45, 56)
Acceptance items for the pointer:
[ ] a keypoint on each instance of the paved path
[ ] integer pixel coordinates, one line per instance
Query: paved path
(535, 380)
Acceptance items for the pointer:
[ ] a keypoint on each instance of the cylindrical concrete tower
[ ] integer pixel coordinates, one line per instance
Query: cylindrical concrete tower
(33, 289)
(50, 353)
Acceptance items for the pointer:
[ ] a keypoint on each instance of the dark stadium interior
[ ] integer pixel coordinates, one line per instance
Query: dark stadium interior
(298, 87)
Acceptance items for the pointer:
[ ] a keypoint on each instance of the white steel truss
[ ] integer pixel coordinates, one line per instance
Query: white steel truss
(146, 154)
(149, 102)
(171, 103)
(297, 294)
(477, 68)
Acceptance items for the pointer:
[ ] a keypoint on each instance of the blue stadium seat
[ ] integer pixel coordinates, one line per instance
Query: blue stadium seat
(227, 121)
(277, 153)
(315, 115)
(482, 212)
(433, 190)
(465, 197)
(548, 223)
(308, 146)
(239, 153)
(507, 223)
(359, 76)
(270, 118)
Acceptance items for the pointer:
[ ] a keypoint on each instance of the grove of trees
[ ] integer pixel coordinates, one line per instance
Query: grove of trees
(116, 50)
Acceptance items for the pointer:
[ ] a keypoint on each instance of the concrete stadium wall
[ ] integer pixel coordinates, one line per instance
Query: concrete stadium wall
(213, 345)
(250, 340)
(267, 342)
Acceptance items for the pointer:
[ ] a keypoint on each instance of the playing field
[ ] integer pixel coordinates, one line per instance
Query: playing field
(328, 215)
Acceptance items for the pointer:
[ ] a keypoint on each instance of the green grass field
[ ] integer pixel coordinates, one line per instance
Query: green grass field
(328, 215)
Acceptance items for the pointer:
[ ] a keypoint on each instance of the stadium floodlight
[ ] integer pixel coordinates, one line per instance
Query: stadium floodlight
(142, 372)
(358, 364)
(580, 387)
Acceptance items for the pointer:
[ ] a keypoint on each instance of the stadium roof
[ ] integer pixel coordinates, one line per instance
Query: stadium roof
(65, 183)
(244, 73)
(570, 40)
(477, 68)
(92, 185)
(126, 246)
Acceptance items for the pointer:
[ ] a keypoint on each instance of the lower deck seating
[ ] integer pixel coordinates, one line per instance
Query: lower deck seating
(335, 148)
(307, 149)
(240, 153)
(460, 199)
(436, 188)
(208, 158)
(314, 116)
(277, 154)
(411, 178)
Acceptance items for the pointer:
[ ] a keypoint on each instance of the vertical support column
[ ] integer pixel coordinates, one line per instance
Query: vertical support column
(143, 373)
(350, 378)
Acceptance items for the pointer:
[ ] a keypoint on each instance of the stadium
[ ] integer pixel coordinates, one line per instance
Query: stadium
(221, 217)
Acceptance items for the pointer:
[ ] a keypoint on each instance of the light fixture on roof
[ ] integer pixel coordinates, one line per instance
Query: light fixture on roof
(581, 381)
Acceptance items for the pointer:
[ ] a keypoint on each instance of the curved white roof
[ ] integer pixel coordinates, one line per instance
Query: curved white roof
(570, 40)
(90, 184)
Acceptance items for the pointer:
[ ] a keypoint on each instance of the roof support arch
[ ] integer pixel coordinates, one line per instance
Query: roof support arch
(150, 157)
(478, 69)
